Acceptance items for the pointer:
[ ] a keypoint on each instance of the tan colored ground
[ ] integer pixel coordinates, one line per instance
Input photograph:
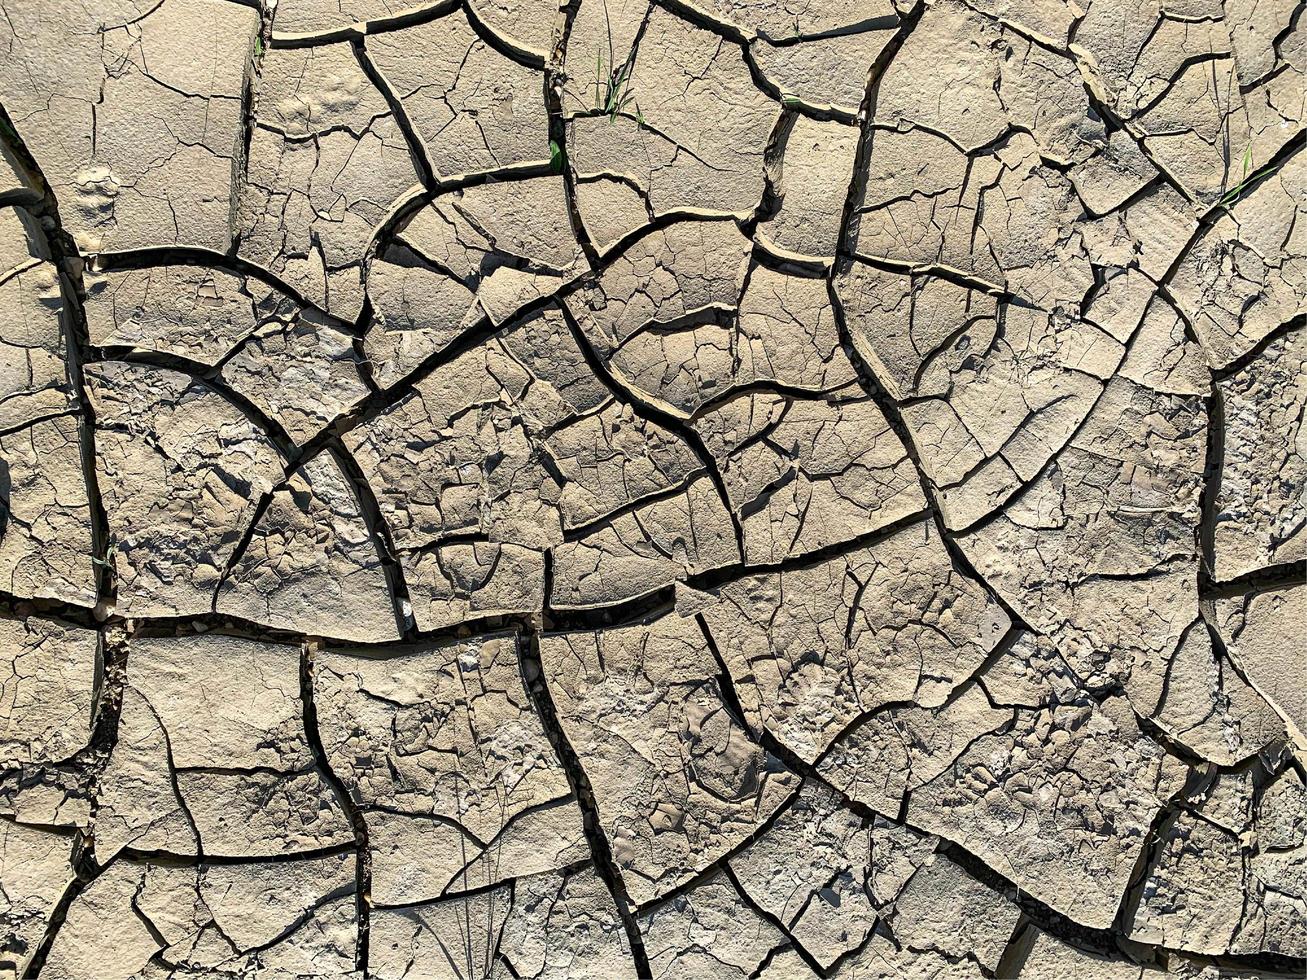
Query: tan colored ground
(664, 488)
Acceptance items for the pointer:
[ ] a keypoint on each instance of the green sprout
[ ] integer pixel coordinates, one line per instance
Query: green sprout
(1247, 179)
(613, 90)
(110, 553)
(1232, 195)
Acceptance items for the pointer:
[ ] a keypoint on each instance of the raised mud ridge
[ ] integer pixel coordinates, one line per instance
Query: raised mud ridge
(653, 488)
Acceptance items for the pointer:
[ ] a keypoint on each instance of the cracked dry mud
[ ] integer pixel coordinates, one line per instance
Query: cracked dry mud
(653, 488)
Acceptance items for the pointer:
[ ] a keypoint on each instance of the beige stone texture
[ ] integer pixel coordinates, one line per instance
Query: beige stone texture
(140, 137)
(694, 130)
(814, 648)
(264, 919)
(47, 695)
(814, 174)
(327, 163)
(1260, 633)
(182, 471)
(1261, 510)
(687, 489)
(443, 274)
(453, 770)
(296, 367)
(37, 868)
(472, 108)
(45, 541)
(678, 782)
(34, 348)
(213, 756)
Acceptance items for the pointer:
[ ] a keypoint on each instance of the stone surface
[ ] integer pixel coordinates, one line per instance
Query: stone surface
(327, 162)
(143, 919)
(815, 171)
(1119, 594)
(472, 108)
(678, 782)
(1086, 774)
(45, 516)
(546, 925)
(183, 470)
(47, 695)
(213, 757)
(1211, 708)
(1048, 957)
(1259, 631)
(37, 868)
(805, 474)
(1243, 277)
(140, 137)
(1261, 508)
(298, 369)
(311, 565)
(1229, 872)
(827, 72)
(814, 648)
(761, 489)
(708, 931)
(679, 119)
(827, 875)
(456, 778)
(33, 351)
(474, 255)
(518, 444)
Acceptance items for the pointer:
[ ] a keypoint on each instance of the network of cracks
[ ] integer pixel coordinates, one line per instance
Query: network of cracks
(662, 488)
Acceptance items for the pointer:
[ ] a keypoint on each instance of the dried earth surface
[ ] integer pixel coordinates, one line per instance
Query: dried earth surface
(706, 489)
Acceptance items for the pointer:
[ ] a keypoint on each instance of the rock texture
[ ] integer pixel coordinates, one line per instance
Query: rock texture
(653, 488)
